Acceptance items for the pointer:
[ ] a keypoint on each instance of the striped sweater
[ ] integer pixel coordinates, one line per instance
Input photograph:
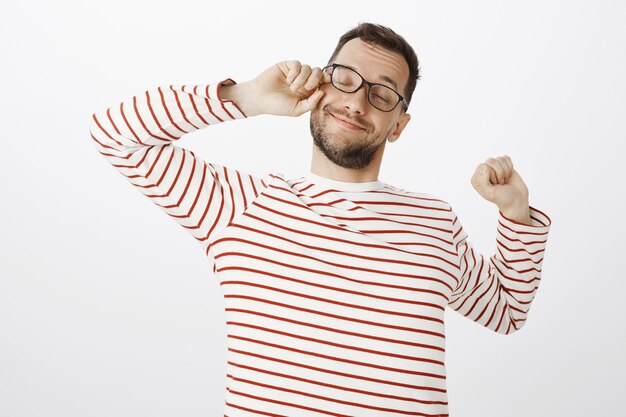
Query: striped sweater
(334, 292)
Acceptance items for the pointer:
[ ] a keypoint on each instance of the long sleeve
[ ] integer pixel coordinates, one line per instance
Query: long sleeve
(497, 292)
(137, 137)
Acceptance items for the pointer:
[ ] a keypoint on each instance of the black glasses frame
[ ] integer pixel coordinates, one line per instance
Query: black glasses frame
(369, 86)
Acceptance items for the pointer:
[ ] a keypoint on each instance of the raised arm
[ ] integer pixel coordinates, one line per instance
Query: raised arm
(138, 138)
(497, 292)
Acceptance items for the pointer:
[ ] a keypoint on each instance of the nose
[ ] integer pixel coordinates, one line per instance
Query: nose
(356, 102)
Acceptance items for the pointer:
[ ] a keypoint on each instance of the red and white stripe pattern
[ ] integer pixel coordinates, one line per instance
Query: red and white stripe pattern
(334, 292)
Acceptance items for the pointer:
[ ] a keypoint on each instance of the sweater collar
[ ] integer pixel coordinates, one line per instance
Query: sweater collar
(342, 185)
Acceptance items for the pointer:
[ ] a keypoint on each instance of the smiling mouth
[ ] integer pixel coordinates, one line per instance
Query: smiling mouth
(345, 124)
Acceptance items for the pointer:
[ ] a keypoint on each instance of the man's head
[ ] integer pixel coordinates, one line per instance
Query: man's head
(385, 38)
(380, 56)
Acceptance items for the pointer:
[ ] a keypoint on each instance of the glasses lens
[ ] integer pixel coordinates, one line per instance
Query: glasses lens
(345, 79)
(383, 97)
(348, 81)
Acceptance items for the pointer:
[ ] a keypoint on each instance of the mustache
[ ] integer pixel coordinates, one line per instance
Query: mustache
(345, 114)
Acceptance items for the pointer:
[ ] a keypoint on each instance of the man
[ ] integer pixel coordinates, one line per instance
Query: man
(335, 283)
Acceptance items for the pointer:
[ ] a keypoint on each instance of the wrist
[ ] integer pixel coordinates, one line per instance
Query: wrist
(240, 94)
(519, 213)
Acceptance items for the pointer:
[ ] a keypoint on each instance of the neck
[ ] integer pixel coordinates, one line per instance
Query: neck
(322, 166)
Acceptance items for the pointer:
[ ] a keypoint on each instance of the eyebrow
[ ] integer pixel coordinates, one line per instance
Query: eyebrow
(382, 77)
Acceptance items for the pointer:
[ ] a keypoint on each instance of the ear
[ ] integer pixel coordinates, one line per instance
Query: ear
(399, 127)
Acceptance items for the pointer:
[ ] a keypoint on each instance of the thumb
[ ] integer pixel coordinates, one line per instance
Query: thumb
(309, 103)
(481, 183)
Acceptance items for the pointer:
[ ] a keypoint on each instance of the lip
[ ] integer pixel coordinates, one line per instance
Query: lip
(345, 123)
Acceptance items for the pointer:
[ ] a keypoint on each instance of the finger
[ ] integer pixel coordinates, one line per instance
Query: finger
(501, 170)
(294, 70)
(493, 176)
(509, 165)
(314, 79)
(309, 103)
(482, 181)
(299, 81)
(491, 173)
(326, 77)
(498, 168)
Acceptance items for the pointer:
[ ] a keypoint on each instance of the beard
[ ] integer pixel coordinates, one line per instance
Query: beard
(352, 154)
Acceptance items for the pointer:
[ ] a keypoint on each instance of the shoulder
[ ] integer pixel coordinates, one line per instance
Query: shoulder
(424, 199)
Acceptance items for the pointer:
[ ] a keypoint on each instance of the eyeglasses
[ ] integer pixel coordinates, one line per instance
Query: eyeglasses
(349, 81)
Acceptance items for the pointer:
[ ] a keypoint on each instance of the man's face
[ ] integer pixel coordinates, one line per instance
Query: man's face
(345, 126)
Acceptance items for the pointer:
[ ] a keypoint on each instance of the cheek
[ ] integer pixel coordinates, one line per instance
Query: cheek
(390, 123)
(381, 124)
(331, 95)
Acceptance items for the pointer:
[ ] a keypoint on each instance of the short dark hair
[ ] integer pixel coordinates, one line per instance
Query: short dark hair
(385, 37)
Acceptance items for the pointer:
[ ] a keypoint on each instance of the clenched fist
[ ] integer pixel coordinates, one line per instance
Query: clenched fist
(498, 182)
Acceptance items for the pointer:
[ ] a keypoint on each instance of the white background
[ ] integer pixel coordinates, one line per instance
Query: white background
(108, 308)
